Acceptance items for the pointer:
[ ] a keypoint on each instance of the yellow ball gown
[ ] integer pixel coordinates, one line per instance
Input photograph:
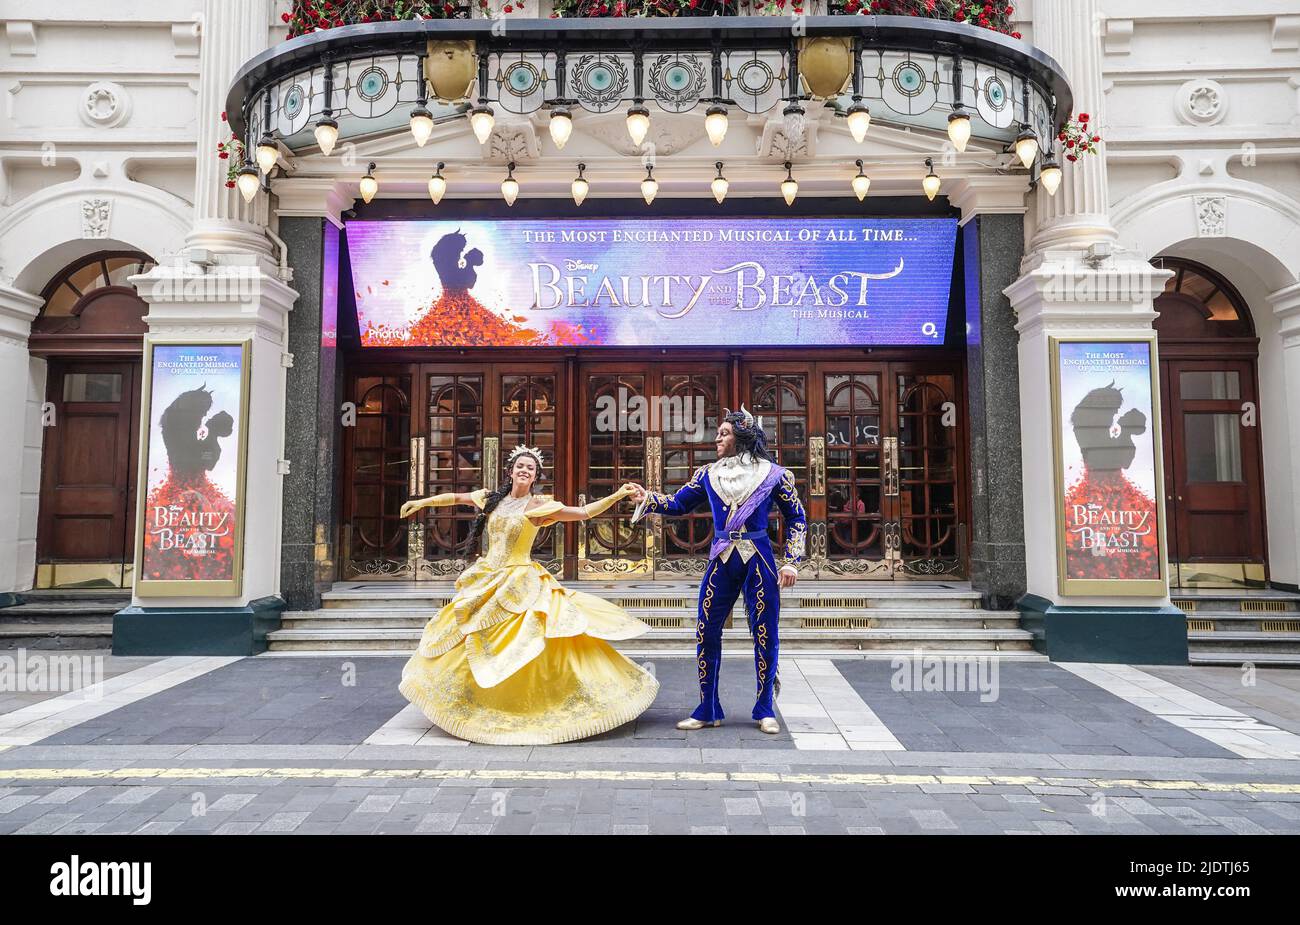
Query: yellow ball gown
(516, 658)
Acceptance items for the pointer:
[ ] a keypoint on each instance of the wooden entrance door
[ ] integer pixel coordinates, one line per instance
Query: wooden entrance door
(876, 451)
(87, 512)
(652, 423)
(425, 429)
(1213, 465)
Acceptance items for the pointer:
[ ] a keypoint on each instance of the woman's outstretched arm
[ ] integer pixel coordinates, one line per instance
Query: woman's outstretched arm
(446, 499)
(548, 514)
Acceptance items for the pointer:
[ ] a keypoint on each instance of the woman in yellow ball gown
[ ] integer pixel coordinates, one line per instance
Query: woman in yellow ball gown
(515, 658)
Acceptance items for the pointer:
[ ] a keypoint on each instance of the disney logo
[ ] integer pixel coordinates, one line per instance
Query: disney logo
(574, 264)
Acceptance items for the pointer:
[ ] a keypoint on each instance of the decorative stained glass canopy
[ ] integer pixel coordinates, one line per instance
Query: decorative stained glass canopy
(910, 71)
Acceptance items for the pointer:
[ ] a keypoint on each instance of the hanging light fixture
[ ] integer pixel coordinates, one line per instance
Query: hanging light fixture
(931, 182)
(481, 120)
(715, 123)
(649, 186)
(861, 183)
(720, 184)
(248, 182)
(789, 186)
(327, 134)
(959, 127)
(421, 125)
(561, 126)
(437, 184)
(793, 115)
(580, 186)
(1027, 146)
(638, 123)
(267, 153)
(510, 186)
(859, 119)
(1050, 175)
(369, 185)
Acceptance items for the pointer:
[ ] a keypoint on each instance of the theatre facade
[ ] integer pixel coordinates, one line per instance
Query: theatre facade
(1002, 390)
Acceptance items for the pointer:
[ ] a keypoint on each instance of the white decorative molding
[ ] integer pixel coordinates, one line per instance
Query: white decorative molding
(95, 217)
(1286, 33)
(1211, 216)
(668, 134)
(988, 195)
(1286, 306)
(22, 37)
(1201, 102)
(787, 139)
(513, 141)
(1118, 36)
(185, 38)
(105, 104)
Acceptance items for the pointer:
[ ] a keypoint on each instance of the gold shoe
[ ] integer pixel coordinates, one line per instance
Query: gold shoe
(769, 725)
(691, 723)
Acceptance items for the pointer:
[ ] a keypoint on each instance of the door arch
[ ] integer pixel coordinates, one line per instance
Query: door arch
(1214, 481)
(90, 333)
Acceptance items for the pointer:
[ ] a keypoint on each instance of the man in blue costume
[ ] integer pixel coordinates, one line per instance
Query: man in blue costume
(741, 489)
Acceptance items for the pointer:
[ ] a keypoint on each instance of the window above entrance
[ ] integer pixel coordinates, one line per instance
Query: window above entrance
(1199, 303)
(92, 308)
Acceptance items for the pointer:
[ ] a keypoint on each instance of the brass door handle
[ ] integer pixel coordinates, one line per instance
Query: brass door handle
(890, 464)
(817, 466)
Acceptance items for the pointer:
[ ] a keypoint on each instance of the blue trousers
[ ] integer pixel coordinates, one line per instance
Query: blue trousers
(723, 582)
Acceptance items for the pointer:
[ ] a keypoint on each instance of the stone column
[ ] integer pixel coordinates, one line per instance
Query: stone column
(1067, 30)
(992, 248)
(233, 31)
(993, 242)
(312, 401)
(1077, 282)
(1284, 563)
(22, 379)
(240, 290)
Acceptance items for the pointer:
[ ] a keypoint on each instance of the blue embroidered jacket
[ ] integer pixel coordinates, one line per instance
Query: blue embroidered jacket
(783, 495)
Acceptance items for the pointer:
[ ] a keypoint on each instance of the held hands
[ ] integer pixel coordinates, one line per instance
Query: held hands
(635, 491)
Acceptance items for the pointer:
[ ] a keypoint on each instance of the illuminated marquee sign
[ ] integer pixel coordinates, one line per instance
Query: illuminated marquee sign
(666, 282)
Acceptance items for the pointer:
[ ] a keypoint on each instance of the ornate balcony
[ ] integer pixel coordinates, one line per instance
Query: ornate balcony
(919, 75)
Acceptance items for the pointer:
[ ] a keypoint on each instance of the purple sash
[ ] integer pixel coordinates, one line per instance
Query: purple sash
(736, 522)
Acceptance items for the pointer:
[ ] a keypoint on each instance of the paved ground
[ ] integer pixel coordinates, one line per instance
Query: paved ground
(326, 744)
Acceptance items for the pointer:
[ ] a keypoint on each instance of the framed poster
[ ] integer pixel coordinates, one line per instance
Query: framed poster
(193, 455)
(638, 282)
(1110, 537)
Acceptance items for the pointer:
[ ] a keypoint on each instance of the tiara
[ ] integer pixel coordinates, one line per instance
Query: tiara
(750, 420)
(521, 450)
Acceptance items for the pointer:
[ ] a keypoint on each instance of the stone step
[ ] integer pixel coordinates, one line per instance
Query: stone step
(61, 611)
(433, 602)
(796, 639)
(1243, 622)
(731, 650)
(1257, 604)
(121, 596)
(418, 617)
(1236, 658)
(62, 635)
(1237, 642)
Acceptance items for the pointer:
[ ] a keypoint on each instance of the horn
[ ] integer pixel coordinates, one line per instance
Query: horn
(749, 418)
